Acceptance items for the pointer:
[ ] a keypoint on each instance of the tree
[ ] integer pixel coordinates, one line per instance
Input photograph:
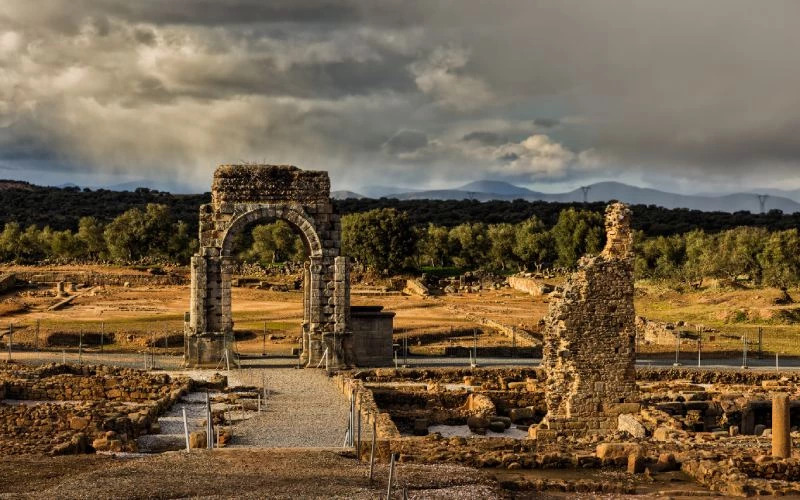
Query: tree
(470, 245)
(533, 244)
(577, 233)
(65, 246)
(780, 259)
(138, 234)
(11, 241)
(699, 256)
(501, 241)
(275, 242)
(737, 252)
(670, 255)
(382, 239)
(432, 245)
(90, 233)
(181, 244)
(35, 244)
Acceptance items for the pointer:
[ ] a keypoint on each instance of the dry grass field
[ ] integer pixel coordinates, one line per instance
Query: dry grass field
(135, 318)
(730, 313)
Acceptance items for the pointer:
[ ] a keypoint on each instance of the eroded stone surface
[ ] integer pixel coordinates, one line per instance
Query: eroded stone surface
(589, 339)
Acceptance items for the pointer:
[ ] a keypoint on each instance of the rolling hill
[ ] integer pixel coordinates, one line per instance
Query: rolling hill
(604, 191)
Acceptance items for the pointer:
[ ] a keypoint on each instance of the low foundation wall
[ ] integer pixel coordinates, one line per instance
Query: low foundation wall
(96, 279)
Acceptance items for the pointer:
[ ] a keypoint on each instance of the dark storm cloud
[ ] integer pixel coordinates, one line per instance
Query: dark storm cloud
(545, 122)
(490, 138)
(419, 91)
(405, 141)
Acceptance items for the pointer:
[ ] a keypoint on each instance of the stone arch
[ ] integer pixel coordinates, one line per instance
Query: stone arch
(295, 216)
(241, 194)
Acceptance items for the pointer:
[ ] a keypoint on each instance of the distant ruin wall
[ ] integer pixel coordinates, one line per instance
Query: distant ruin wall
(7, 282)
(655, 332)
(98, 279)
(529, 285)
(589, 340)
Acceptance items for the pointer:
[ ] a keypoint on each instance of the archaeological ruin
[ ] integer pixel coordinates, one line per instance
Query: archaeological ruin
(241, 195)
(589, 340)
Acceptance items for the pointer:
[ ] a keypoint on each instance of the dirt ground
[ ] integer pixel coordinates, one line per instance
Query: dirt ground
(275, 473)
(267, 321)
(140, 316)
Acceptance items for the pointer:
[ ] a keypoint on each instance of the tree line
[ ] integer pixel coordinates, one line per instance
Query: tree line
(750, 254)
(150, 235)
(385, 240)
(62, 208)
(391, 240)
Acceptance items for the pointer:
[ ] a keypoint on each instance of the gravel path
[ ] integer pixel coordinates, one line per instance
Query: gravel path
(304, 409)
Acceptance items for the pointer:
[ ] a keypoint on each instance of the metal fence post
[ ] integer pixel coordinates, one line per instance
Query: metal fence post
(358, 434)
(677, 348)
(698, 352)
(760, 342)
(744, 351)
(10, 339)
(185, 428)
(513, 342)
(391, 475)
(372, 450)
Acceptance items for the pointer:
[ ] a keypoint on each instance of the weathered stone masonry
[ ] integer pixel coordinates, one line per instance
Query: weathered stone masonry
(243, 194)
(589, 340)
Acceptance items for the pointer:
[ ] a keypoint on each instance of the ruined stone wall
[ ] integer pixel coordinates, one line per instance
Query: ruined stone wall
(589, 340)
(99, 407)
(269, 183)
(655, 332)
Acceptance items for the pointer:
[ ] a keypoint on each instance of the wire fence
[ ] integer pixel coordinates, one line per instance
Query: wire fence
(472, 346)
(735, 345)
(160, 343)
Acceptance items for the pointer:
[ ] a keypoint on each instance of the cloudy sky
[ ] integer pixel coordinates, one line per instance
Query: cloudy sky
(681, 95)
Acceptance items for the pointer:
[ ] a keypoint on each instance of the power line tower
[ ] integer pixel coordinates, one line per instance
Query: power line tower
(762, 202)
(585, 190)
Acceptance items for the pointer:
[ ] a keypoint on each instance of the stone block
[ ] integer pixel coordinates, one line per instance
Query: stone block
(628, 423)
(615, 451)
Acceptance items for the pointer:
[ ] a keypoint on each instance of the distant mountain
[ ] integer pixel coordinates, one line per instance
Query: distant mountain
(345, 195)
(384, 191)
(496, 187)
(166, 186)
(605, 191)
(792, 194)
(10, 184)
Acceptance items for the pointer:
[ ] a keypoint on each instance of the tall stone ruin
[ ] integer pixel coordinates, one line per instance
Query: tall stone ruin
(589, 340)
(244, 194)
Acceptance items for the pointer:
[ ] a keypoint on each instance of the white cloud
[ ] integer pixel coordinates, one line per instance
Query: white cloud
(438, 76)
